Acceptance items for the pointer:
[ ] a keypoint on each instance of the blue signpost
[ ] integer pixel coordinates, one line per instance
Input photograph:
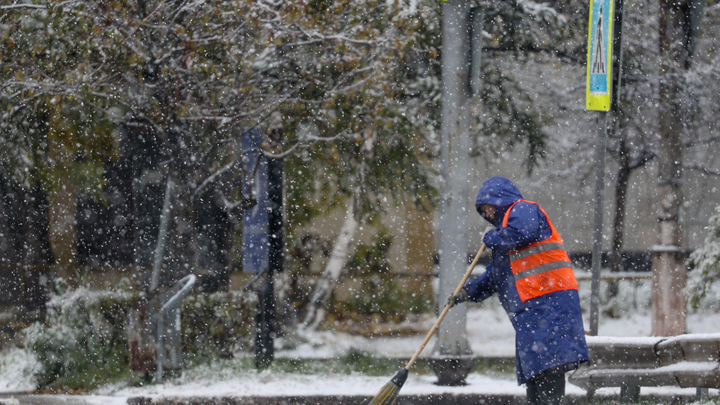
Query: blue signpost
(263, 238)
(255, 219)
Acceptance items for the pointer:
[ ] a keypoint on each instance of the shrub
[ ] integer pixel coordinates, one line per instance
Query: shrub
(706, 261)
(83, 342)
(83, 339)
(217, 324)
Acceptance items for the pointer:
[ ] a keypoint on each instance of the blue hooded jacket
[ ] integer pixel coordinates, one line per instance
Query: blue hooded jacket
(548, 329)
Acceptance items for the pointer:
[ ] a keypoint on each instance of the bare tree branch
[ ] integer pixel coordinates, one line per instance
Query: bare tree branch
(702, 169)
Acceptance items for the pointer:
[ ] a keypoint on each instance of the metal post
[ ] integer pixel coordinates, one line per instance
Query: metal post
(162, 234)
(476, 34)
(617, 55)
(265, 317)
(451, 355)
(159, 347)
(604, 120)
(597, 231)
(702, 394)
(172, 303)
(629, 394)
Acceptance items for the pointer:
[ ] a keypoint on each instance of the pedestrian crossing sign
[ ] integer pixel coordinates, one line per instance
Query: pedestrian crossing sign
(599, 56)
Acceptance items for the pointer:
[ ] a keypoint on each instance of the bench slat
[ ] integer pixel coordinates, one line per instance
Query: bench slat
(685, 361)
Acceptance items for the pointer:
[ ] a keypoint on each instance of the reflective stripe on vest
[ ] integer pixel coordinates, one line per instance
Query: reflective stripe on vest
(541, 267)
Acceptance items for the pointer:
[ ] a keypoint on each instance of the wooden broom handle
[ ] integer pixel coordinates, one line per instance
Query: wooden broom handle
(446, 309)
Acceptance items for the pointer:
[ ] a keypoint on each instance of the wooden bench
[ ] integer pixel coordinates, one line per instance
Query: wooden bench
(630, 363)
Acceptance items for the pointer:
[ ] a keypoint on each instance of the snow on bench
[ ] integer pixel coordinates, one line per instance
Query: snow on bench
(634, 362)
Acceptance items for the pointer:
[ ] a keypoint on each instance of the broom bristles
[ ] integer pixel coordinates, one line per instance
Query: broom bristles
(388, 394)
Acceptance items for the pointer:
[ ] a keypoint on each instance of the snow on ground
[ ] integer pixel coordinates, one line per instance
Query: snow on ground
(268, 383)
(272, 384)
(489, 334)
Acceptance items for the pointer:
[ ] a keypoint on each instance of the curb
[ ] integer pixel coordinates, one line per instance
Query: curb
(433, 399)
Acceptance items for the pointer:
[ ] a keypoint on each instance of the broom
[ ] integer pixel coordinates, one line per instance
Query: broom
(388, 393)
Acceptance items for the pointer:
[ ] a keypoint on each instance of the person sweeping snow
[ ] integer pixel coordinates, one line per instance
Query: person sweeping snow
(531, 274)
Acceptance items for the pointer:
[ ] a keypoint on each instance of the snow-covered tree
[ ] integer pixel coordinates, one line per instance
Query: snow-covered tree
(509, 114)
(191, 76)
(510, 27)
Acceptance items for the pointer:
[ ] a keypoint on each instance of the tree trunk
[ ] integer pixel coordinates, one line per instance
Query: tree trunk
(627, 166)
(669, 271)
(181, 256)
(10, 249)
(62, 199)
(24, 240)
(333, 270)
(61, 216)
(621, 186)
(37, 248)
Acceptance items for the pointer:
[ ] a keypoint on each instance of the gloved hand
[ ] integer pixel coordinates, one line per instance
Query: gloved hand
(487, 231)
(458, 298)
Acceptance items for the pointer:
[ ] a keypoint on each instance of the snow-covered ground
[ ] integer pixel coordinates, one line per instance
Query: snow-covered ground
(489, 333)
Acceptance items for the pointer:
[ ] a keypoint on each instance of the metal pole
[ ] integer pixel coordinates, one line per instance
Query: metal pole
(162, 234)
(597, 231)
(604, 120)
(172, 303)
(451, 352)
(617, 57)
(159, 347)
(265, 318)
(476, 34)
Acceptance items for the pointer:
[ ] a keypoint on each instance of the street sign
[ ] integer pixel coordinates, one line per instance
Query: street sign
(599, 56)
(256, 220)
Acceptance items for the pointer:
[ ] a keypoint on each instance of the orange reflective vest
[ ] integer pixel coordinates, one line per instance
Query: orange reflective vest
(541, 267)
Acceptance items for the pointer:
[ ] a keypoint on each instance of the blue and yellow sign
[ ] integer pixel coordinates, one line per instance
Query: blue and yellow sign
(599, 57)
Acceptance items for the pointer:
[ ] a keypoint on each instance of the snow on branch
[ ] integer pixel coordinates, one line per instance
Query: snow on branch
(22, 6)
(305, 138)
(539, 9)
(213, 177)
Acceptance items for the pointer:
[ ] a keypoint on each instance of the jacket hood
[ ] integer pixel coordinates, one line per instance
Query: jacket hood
(500, 193)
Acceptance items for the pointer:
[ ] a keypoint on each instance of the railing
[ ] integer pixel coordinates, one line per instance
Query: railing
(170, 305)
